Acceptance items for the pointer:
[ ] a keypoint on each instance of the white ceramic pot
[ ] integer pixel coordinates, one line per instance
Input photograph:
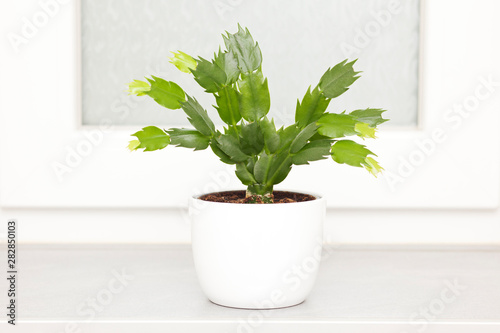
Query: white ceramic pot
(257, 256)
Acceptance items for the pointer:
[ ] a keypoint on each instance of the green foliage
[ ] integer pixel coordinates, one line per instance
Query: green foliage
(365, 131)
(263, 155)
(229, 64)
(254, 98)
(165, 93)
(271, 137)
(209, 75)
(245, 50)
(335, 125)
(373, 117)
(287, 135)
(252, 138)
(350, 152)
(313, 151)
(133, 144)
(198, 117)
(261, 168)
(355, 154)
(187, 138)
(372, 166)
(184, 62)
(313, 105)
(228, 105)
(219, 153)
(231, 147)
(244, 175)
(303, 137)
(150, 138)
(280, 167)
(138, 87)
(336, 80)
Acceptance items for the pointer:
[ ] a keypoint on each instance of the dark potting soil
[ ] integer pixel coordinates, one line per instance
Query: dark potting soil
(239, 197)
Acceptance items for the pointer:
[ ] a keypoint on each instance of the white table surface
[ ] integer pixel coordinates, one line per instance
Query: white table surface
(359, 289)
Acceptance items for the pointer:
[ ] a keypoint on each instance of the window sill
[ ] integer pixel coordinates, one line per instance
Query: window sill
(359, 289)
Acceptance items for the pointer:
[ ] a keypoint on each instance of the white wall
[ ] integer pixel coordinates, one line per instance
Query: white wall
(344, 226)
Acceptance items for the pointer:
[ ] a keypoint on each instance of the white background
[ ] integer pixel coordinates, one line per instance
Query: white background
(451, 196)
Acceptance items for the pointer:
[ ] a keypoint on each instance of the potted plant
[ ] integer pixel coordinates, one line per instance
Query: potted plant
(258, 248)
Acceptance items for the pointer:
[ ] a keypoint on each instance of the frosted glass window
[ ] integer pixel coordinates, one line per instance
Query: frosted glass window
(124, 40)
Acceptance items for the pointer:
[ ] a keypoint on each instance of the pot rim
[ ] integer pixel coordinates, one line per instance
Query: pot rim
(315, 195)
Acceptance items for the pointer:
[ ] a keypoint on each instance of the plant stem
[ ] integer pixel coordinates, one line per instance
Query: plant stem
(260, 193)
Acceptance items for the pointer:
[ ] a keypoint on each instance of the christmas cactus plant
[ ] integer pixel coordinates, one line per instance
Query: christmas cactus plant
(263, 155)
